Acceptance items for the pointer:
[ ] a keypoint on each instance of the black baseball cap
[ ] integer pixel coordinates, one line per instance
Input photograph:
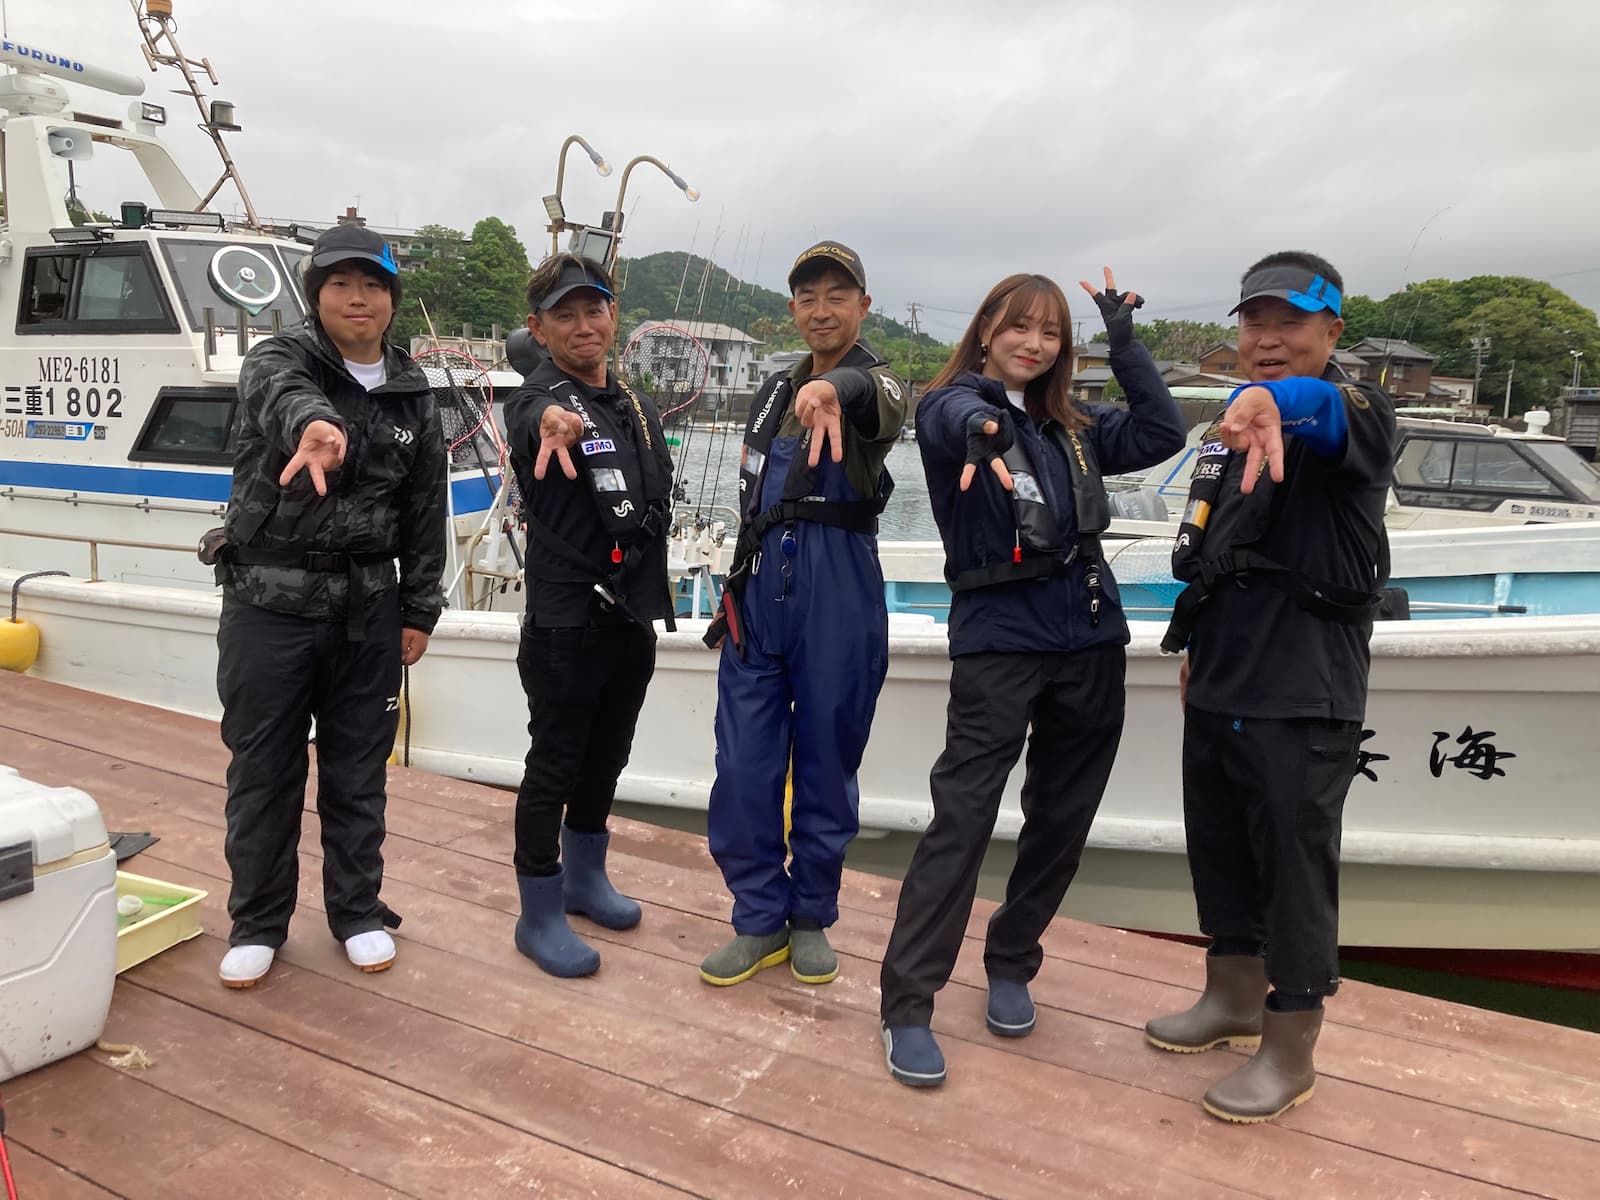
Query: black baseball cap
(576, 273)
(824, 254)
(344, 242)
(1304, 289)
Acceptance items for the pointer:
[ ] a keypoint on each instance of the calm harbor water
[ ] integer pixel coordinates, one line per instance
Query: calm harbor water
(707, 465)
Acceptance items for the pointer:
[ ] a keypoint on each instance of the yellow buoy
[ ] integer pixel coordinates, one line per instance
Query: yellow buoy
(19, 639)
(19, 644)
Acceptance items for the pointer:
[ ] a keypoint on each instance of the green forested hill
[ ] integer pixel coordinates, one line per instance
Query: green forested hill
(650, 291)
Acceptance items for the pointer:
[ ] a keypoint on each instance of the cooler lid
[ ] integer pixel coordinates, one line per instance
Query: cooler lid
(58, 822)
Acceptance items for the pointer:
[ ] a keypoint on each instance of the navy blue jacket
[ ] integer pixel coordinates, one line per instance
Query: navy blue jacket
(978, 526)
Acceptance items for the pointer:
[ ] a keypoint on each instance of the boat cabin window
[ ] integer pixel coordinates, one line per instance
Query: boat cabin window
(1564, 461)
(92, 289)
(227, 277)
(198, 426)
(1495, 466)
(1424, 462)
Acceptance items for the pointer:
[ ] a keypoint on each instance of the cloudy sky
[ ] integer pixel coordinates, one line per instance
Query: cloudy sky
(949, 143)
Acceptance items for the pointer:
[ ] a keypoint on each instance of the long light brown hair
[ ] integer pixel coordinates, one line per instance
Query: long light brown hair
(1013, 298)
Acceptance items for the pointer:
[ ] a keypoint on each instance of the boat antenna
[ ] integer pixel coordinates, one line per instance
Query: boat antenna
(158, 26)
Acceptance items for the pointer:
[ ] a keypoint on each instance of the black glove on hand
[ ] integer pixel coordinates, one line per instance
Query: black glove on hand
(981, 446)
(1118, 315)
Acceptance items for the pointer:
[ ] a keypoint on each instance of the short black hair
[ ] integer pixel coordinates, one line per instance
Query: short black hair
(1303, 259)
(548, 273)
(315, 277)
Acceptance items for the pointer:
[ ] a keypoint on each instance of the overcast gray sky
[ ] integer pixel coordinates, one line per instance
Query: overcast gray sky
(949, 143)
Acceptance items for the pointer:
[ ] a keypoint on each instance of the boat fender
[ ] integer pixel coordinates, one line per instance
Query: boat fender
(19, 639)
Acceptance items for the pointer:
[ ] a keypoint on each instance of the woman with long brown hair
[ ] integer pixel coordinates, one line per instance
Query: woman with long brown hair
(1037, 638)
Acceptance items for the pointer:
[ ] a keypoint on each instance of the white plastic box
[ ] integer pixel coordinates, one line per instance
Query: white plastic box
(58, 923)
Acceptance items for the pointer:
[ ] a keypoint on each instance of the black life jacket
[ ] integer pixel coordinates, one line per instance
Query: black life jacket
(1205, 565)
(632, 492)
(798, 501)
(1038, 553)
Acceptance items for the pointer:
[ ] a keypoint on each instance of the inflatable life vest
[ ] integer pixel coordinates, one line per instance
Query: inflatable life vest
(632, 493)
(1038, 553)
(1204, 563)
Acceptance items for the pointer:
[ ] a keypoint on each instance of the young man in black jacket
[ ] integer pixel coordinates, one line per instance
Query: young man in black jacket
(340, 472)
(1284, 547)
(592, 464)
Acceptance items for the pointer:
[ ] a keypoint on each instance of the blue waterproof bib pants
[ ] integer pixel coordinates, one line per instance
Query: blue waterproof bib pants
(816, 651)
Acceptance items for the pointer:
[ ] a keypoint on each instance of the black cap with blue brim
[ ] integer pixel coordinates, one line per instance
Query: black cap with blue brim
(574, 275)
(1304, 289)
(345, 242)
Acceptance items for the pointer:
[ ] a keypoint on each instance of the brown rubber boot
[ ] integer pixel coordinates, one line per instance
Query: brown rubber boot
(1278, 1077)
(1228, 1011)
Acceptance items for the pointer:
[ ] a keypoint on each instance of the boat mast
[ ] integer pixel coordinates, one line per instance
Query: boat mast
(158, 25)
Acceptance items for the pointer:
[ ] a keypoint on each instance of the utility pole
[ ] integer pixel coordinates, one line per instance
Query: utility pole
(1479, 345)
(915, 310)
(1510, 375)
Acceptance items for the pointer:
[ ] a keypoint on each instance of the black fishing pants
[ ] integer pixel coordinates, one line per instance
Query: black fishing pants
(275, 672)
(585, 688)
(1074, 702)
(1263, 802)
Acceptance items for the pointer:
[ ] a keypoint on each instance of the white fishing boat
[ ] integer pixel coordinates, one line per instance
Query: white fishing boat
(1472, 824)
(1447, 474)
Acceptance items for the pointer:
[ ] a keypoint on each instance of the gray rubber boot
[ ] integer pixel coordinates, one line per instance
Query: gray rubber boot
(811, 958)
(1279, 1076)
(736, 961)
(1228, 1011)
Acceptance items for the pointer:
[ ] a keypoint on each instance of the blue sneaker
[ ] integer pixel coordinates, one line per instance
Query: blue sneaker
(913, 1056)
(1010, 1012)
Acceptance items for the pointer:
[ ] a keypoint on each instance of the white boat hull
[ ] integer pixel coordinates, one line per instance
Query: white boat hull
(1447, 859)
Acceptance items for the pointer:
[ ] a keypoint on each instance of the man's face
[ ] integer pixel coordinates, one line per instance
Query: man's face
(577, 331)
(828, 310)
(1278, 340)
(355, 308)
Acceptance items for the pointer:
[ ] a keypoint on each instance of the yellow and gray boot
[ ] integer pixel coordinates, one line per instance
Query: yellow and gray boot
(1279, 1076)
(1228, 1011)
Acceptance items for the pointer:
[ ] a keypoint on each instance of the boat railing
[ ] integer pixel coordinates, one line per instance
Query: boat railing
(94, 544)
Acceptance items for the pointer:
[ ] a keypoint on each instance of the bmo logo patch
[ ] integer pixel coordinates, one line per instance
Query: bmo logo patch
(600, 446)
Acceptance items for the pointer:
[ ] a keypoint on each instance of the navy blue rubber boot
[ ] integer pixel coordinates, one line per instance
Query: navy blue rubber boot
(543, 933)
(588, 890)
(913, 1056)
(1010, 1012)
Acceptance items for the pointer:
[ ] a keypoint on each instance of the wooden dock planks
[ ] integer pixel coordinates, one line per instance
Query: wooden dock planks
(464, 1071)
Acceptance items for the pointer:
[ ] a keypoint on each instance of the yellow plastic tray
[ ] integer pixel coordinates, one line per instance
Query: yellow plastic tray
(160, 927)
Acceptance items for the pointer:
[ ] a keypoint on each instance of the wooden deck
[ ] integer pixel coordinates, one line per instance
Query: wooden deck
(465, 1072)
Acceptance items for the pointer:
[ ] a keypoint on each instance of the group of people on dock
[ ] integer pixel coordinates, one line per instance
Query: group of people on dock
(341, 475)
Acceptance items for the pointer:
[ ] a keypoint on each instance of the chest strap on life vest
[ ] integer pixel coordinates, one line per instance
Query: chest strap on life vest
(581, 570)
(1330, 601)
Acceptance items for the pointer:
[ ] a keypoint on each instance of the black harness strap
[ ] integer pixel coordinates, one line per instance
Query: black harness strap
(1330, 601)
(325, 562)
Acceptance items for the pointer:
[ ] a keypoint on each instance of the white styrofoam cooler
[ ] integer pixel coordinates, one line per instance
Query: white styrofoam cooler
(58, 923)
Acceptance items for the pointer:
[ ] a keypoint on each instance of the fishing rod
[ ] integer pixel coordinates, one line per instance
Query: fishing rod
(464, 405)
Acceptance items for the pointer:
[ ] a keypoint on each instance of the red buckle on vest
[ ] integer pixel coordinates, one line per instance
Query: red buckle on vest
(616, 554)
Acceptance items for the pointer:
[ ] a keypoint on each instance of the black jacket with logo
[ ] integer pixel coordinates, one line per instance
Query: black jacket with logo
(557, 594)
(1255, 651)
(386, 502)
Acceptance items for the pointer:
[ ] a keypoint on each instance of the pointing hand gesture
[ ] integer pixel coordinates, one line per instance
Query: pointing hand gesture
(986, 442)
(816, 407)
(321, 450)
(1253, 424)
(559, 430)
(1116, 308)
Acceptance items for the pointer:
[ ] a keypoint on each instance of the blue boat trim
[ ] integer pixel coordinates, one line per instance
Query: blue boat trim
(468, 493)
